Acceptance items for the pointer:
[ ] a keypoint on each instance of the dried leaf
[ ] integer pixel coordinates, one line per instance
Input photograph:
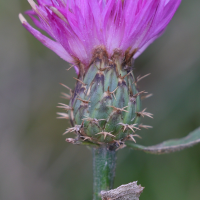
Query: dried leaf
(129, 191)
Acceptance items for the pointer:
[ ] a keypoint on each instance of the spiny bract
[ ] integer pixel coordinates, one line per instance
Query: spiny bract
(105, 106)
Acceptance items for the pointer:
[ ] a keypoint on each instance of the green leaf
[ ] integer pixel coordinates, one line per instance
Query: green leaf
(170, 145)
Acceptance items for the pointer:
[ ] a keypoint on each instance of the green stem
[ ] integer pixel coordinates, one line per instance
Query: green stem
(104, 162)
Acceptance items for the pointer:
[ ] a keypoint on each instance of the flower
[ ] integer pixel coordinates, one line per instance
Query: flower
(77, 27)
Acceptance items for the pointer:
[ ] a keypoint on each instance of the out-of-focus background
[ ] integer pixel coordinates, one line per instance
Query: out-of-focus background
(35, 160)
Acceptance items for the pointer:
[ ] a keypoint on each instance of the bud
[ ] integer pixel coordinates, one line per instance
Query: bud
(105, 102)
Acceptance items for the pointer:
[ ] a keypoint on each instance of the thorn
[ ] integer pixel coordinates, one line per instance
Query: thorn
(131, 127)
(64, 106)
(80, 81)
(145, 126)
(140, 78)
(101, 69)
(136, 135)
(86, 138)
(82, 124)
(133, 119)
(65, 96)
(70, 67)
(137, 94)
(112, 93)
(76, 129)
(72, 115)
(132, 137)
(84, 101)
(130, 72)
(70, 90)
(123, 77)
(143, 113)
(66, 86)
(125, 126)
(147, 96)
(122, 145)
(119, 109)
(89, 89)
(93, 119)
(114, 89)
(105, 134)
(62, 115)
(70, 140)
(119, 142)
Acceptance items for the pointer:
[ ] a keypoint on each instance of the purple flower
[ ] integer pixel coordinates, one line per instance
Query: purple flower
(77, 27)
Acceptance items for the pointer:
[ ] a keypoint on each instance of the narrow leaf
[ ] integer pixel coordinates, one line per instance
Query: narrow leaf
(170, 145)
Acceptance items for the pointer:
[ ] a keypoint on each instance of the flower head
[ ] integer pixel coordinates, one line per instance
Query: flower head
(77, 27)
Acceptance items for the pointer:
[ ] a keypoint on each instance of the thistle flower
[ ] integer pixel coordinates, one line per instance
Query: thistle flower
(101, 38)
(79, 26)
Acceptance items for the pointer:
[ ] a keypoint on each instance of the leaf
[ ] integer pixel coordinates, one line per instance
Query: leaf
(129, 191)
(170, 145)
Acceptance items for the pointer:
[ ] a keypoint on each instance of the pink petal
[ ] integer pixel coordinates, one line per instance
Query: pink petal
(54, 46)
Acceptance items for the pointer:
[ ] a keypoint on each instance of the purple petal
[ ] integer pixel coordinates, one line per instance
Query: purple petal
(54, 46)
(79, 26)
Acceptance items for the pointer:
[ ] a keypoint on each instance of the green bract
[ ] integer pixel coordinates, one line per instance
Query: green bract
(105, 106)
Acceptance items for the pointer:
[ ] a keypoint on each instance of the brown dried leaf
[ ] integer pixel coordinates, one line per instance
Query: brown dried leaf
(129, 191)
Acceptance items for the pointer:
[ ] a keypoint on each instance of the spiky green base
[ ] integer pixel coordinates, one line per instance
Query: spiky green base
(105, 105)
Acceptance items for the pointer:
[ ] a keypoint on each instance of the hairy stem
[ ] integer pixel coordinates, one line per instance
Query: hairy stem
(104, 162)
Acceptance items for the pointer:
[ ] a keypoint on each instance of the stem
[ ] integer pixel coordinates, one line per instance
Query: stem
(104, 162)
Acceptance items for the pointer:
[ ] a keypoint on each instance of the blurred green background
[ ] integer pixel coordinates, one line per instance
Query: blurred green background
(35, 160)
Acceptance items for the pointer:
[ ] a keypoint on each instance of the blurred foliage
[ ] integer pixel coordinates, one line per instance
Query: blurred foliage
(35, 160)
